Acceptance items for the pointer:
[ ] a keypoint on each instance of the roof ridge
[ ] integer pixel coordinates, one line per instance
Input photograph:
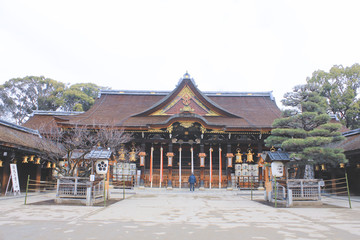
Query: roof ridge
(20, 128)
(186, 81)
(351, 132)
(207, 93)
(55, 113)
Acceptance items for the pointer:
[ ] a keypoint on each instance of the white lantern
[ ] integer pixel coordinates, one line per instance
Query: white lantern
(102, 166)
(277, 169)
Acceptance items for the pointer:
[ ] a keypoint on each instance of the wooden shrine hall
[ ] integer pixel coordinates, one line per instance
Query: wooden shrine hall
(215, 135)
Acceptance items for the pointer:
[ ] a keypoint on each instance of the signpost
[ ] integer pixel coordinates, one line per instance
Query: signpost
(277, 170)
(14, 180)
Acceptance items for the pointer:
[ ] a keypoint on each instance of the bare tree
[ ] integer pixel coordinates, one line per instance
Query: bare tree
(74, 143)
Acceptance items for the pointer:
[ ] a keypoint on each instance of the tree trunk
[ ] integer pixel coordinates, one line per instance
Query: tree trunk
(300, 171)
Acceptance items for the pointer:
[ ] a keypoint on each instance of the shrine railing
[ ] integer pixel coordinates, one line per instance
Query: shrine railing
(81, 189)
(297, 189)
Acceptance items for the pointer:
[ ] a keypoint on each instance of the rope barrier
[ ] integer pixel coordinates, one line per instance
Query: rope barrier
(42, 185)
(337, 186)
(337, 193)
(335, 179)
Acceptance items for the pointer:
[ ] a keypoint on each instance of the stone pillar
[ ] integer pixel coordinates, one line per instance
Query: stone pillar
(229, 165)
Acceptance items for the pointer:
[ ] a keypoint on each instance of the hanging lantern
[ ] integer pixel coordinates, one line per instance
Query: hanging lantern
(31, 158)
(323, 167)
(202, 159)
(250, 156)
(54, 165)
(229, 157)
(170, 156)
(238, 156)
(1, 163)
(358, 165)
(25, 159)
(121, 153)
(37, 160)
(132, 156)
(48, 165)
(272, 149)
(342, 165)
(142, 158)
(317, 168)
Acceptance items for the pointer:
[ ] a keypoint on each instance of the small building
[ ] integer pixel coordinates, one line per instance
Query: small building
(351, 146)
(20, 145)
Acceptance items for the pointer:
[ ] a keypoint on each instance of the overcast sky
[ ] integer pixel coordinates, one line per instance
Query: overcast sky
(148, 45)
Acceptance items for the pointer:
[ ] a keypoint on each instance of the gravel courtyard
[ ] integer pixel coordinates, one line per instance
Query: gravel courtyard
(177, 214)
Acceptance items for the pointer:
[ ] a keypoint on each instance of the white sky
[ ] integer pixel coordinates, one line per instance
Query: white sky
(149, 44)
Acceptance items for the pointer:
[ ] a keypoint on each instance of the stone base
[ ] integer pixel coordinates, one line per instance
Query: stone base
(141, 188)
(169, 188)
(229, 189)
(201, 188)
(261, 188)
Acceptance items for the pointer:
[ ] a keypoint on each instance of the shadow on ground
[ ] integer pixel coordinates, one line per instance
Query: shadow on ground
(52, 202)
(283, 205)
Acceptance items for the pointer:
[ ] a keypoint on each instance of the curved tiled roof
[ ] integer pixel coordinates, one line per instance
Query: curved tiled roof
(15, 136)
(132, 109)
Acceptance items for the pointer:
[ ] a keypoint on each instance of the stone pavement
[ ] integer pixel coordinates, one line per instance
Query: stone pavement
(178, 214)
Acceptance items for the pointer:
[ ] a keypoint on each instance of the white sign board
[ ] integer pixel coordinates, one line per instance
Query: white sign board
(15, 179)
(277, 169)
(92, 178)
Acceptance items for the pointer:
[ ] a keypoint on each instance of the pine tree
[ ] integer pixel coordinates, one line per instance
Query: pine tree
(305, 130)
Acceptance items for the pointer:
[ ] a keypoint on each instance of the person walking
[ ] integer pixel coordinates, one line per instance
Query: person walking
(192, 181)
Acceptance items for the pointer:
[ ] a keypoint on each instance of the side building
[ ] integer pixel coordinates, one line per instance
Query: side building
(20, 146)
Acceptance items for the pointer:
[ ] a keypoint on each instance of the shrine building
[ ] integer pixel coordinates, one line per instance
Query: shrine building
(215, 135)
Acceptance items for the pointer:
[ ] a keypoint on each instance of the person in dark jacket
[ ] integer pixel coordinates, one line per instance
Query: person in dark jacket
(192, 181)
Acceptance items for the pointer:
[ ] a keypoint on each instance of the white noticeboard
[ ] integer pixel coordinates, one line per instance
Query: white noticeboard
(277, 169)
(15, 179)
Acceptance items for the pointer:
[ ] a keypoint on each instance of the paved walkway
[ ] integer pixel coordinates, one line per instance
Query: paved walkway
(178, 214)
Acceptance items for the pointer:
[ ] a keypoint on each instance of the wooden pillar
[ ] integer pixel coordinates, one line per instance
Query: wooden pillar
(142, 155)
(192, 159)
(151, 165)
(161, 164)
(220, 167)
(38, 177)
(229, 165)
(202, 156)
(180, 149)
(5, 175)
(210, 159)
(260, 144)
(170, 156)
